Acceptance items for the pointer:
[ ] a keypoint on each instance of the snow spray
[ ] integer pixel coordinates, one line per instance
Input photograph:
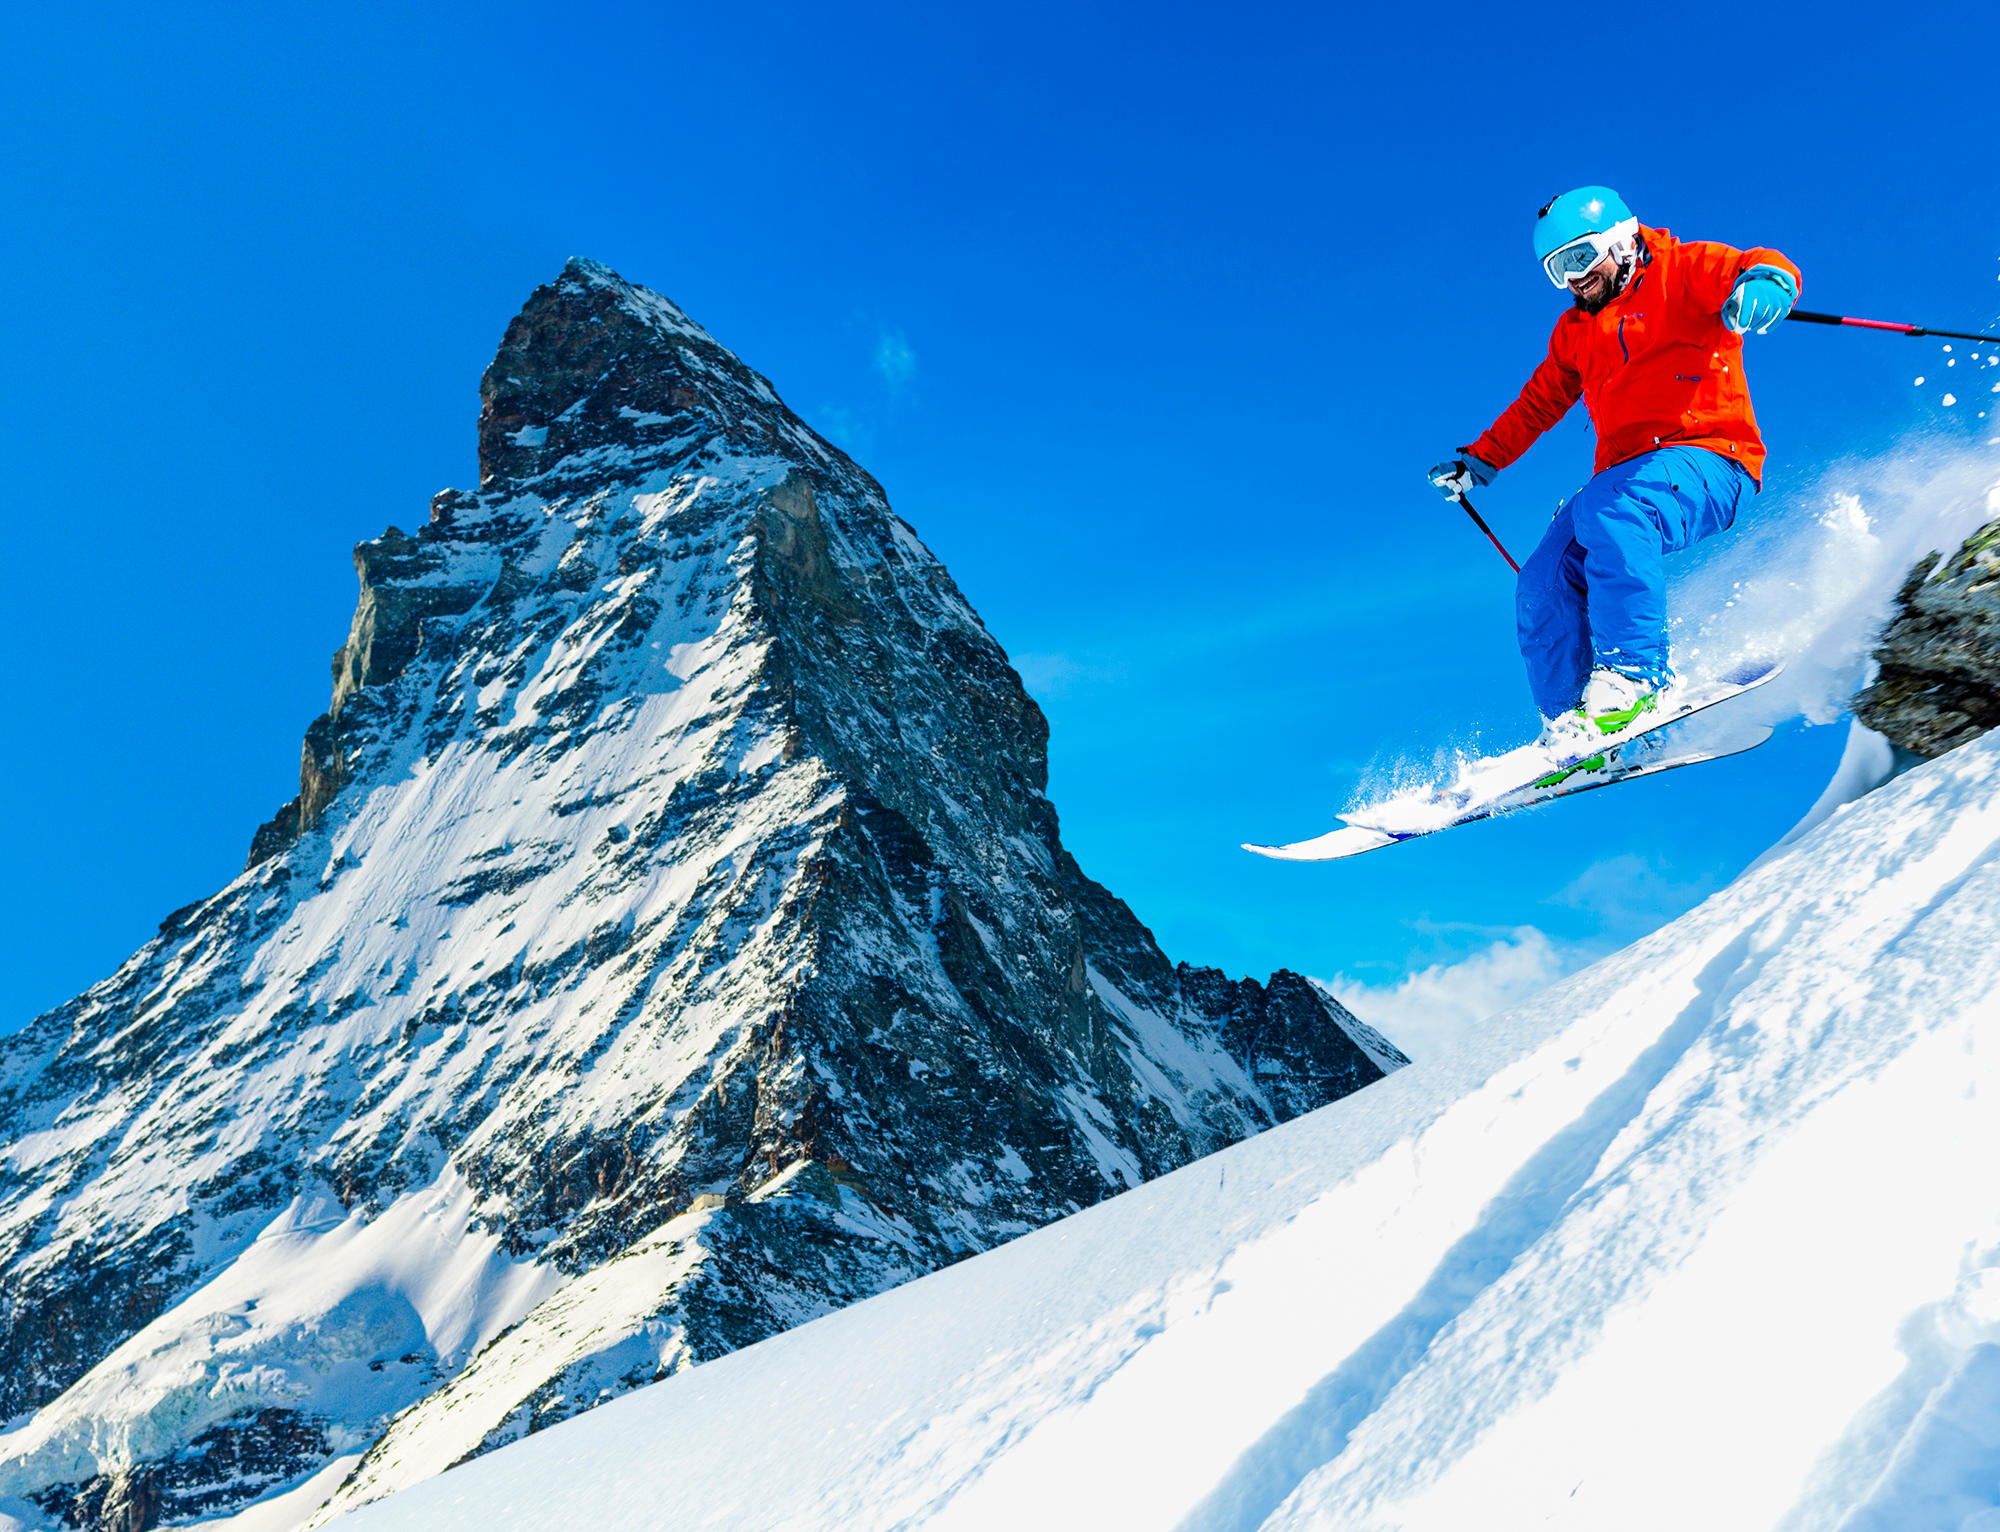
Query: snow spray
(1809, 575)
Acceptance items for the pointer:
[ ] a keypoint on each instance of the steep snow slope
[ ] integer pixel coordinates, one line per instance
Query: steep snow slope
(1706, 1236)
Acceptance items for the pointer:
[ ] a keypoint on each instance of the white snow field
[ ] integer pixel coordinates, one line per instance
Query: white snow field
(1706, 1236)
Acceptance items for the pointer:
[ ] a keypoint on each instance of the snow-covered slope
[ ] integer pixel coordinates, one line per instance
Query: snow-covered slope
(1706, 1236)
(671, 941)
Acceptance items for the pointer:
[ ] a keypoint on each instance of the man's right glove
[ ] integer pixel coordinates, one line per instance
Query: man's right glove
(1763, 295)
(1454, 476)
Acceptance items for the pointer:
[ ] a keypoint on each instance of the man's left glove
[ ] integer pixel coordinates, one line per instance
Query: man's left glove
(1454, 476)
(1763, 295)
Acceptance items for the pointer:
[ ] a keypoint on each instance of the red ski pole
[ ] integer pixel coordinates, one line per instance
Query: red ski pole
(1480, 522)
(1912, 330)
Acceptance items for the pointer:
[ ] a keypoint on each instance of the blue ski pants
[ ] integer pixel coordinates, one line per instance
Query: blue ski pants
(1594, 590)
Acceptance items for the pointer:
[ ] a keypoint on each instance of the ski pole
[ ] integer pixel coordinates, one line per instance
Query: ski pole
(1480, 522)
(1911, 330)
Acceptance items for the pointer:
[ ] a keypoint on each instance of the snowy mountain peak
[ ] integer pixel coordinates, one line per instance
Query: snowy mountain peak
(671, 941)
(595, 370)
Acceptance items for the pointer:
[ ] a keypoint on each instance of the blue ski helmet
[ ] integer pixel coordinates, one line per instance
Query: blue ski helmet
(1587, 210)
(1592, 219)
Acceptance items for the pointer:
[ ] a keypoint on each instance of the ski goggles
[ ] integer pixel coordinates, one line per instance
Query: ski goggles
(1566, 263)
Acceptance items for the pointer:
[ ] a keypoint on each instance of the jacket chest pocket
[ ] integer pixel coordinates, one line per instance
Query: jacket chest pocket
(1630, 337)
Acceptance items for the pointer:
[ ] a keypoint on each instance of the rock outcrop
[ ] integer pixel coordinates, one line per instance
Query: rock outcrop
(671, 941)
(1938, 665)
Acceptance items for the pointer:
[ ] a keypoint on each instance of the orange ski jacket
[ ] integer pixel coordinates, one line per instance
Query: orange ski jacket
(1656, 366)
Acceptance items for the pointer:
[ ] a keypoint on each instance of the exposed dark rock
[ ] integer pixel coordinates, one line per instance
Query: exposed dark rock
(82, 1305)
(1938, 678)
(225, 1466)
(400, 591)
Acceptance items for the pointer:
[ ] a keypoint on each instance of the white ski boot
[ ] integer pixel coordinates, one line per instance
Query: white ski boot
(1613, 701)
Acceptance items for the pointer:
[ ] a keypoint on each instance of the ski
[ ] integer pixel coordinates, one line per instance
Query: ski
(1640, 759)
(1508, 782)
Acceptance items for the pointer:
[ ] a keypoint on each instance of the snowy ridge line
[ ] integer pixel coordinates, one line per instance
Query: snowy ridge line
(1378, 1048)
(1702, 1203)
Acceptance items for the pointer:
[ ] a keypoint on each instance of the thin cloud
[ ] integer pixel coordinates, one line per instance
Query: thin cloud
(894, 359)
(1056, 675)
(1631, 895)
(1429, 1012)
(846, 429)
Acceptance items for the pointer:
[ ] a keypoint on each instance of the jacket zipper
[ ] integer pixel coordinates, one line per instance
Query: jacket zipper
(1633, 291)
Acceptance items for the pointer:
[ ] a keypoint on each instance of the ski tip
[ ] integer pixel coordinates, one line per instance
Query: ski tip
(1275, 853)
(1753, 673)
(1349, 840)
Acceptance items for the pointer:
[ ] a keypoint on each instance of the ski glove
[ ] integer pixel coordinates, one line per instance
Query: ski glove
(1763, 295)
(1454, 476)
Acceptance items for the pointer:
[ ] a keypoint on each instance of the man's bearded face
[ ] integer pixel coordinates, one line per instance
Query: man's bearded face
(1597, 286)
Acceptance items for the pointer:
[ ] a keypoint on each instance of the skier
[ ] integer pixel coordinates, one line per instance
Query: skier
(1653, 345)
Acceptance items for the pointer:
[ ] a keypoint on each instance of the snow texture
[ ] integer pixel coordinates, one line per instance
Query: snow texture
(1704, 1236)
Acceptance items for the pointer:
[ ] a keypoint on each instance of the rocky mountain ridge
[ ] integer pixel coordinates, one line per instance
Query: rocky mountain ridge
(671, 941)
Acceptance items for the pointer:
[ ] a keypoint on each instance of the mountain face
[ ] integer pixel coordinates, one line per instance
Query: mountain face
(1938, 663)
(671, 942)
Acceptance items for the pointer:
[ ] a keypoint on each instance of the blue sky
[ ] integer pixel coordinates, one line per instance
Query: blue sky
(1149, 319)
